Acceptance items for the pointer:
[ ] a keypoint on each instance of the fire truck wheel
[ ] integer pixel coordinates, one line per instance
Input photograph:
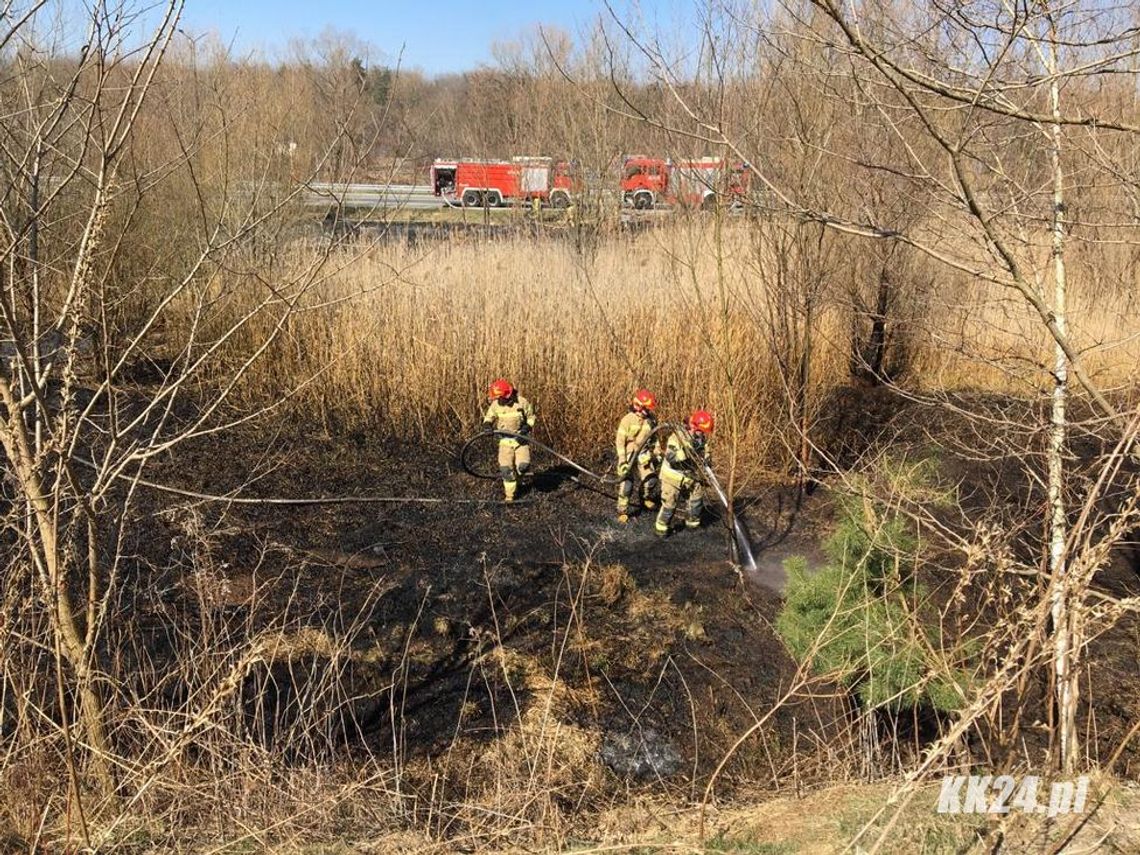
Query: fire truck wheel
(709, 202)
(472, 198)
(643, 201)
(560, 200)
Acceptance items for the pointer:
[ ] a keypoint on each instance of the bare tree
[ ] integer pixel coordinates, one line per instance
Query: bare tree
(995, 101)
(969, 118)
(110, 332)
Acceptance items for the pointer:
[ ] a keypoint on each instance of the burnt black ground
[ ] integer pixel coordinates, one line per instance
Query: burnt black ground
(693, 642)
(455, 580)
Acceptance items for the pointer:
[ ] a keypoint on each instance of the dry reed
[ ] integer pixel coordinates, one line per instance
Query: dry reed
(403, 339)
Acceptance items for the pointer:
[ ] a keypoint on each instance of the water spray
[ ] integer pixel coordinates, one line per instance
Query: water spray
(741, 541)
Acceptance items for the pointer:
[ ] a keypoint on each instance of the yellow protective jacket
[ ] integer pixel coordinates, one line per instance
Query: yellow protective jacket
(683, 459)
(513, 416)
(633, 432)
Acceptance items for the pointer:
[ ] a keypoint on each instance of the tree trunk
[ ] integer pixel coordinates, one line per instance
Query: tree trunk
(802, 419)
(1065, 645)
(877, 341)
(43, 541)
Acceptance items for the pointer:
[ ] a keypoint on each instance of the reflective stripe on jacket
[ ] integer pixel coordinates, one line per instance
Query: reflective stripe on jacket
(632, 432)
(510, 416)
(682, 461)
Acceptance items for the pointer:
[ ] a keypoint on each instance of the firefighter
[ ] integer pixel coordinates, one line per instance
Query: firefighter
(510, 411)
(633, 436)
(686, 453)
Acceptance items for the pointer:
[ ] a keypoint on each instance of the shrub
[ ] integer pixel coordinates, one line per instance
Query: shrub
(855, 618)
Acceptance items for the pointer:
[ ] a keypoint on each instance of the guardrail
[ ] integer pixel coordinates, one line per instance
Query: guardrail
(358, 197)
(319, 194)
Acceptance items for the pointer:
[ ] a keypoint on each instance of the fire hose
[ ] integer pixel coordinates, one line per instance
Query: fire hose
(742, 545)
(741, 540)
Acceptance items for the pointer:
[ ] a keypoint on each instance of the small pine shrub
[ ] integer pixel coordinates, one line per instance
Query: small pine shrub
(856, 617)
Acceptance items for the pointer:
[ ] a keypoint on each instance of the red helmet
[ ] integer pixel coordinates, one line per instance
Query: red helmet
(701, 420)
(644, 398)
(500, 389)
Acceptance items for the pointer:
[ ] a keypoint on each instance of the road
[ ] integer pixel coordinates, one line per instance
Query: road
(361, 198)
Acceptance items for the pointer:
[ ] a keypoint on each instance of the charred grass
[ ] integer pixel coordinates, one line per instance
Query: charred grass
(498, 649)
(446, 677)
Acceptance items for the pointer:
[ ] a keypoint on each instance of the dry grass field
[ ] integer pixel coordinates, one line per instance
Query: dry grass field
(703, 316)
(355, 682)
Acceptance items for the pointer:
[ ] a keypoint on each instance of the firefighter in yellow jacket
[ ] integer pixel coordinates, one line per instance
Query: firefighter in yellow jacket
(635, 450)
(510, 411)
(686, 453)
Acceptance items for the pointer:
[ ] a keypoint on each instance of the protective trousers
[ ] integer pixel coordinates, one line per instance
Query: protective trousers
(514, 460)
(677, 488)
(647, 476)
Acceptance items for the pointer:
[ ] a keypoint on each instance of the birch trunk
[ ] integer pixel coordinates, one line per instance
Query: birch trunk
(1064, 644)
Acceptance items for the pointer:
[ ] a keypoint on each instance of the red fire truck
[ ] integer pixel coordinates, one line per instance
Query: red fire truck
(647, 182)
(494, 183)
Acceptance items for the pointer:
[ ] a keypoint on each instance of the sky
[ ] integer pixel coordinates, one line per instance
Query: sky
(436, 36)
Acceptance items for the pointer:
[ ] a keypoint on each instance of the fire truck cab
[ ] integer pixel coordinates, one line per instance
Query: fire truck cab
(698, 183)
(644, 180)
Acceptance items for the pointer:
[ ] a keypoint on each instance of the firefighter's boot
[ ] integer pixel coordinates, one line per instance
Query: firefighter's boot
(625, 490)
(510, 483)
(623, 509)
(670, 496)
(696, 506)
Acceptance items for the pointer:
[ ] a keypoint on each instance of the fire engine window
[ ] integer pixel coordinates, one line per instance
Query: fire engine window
(632, 171)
